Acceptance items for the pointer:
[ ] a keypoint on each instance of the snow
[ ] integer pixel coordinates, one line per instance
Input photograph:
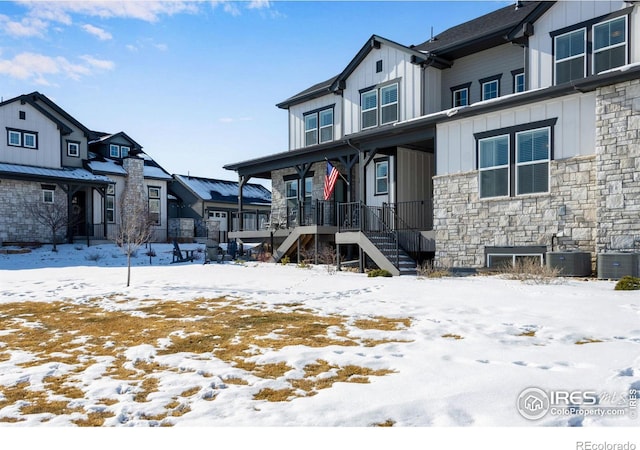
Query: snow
(437, 381)
(205, 187)
(66, 173)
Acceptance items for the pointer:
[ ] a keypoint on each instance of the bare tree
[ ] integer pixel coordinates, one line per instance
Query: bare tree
(135, 228)
(54, 216)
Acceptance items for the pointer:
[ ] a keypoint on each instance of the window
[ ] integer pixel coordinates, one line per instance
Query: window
(124, 151)
(490, 87)
(461, 97)
(369, 102)
(22, 115)
(110, 200)
(154, 205)
(47, 195)
(326, 125)
(493, 162)
(73, 149)
(15, 138)
(318, 124)
(570, 56)
(515, 160)
(609, 44)
(114, 151)
(382, 177)
(20, 138)
(532, 161)
(379, 66)
(385, 112)
(518, 80)
(291, 193)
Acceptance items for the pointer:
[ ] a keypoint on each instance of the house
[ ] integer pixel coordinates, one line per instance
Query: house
(207, 208)
(49, 160)
(511, 135)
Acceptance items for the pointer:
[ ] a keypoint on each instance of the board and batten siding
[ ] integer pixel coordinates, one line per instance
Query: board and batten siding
(377, 200)
(574, 132)
(76, 135)
(396, 66)
(297, 113)
(47, 154)
(564, 14)
(470, 69)
(414, 173)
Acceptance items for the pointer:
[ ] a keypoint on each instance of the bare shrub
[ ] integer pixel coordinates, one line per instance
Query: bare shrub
(94, 256)
(329, 258)
(430, 269)
(530, 271)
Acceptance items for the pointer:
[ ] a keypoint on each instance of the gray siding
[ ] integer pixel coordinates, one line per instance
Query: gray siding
(414, 175)
(472, 68)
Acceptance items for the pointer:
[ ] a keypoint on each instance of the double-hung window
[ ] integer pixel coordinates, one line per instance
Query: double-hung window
(460, 97)
(515, 160)
(532, 161)
(124, 151)
(114, 151)
(318, 127)
(609, 44)
(490, 87)
(73, 149)
(379, 106)
(382, 177)
(15, 138)
(570, 55)
(154, 205)
(518, 80)
(47, 195)
(493, 164)
(111, 203)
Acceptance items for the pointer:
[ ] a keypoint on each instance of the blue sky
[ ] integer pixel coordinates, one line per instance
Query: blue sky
(196, 82)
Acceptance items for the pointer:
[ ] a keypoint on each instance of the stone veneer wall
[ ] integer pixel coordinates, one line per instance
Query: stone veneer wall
(618, 166)
(464, 224)
(15, 223)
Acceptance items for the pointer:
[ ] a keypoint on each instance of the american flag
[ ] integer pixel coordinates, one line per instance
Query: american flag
(330, 180)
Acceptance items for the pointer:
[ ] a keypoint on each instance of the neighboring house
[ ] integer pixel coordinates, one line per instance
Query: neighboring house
(512, 134)
(49, 157)
(208, 207)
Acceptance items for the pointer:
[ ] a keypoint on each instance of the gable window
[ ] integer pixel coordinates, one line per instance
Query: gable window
(382, 177)
(518, 80)
(47, 195)
(154, 205)
(379, 105)
(114, 151)
(493, 162)
(21, 138)
(124, 151)
(570, 56)
(110, 200)
(73, 149)
(515, 160)
(490, 87)
(609, 44)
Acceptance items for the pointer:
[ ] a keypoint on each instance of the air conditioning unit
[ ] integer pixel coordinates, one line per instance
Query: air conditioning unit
(570, 264)
(617, 265)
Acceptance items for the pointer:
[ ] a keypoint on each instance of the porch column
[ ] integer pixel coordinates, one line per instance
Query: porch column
(242, 180)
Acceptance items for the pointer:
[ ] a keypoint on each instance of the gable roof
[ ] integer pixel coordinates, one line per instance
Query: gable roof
(100, 137)
(213, 190)
(495, 28)
(35, 97)
(317, 90)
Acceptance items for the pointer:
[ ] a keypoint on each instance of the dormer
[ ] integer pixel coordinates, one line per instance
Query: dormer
(114, 146)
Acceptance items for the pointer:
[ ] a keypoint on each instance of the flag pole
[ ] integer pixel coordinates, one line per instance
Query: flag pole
(341, 176)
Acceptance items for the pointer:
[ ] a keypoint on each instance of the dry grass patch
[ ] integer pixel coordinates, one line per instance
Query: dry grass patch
(587, 341)
(529, 333)
(452, 336)
(386, 423)
(275, 395)
(84, 334)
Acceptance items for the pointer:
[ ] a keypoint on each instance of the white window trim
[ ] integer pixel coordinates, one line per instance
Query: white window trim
(504, 166)
(111, 192)
(603, 49)
(44, 198)
(580, 55)
(113, 147)
(538, 161)
(15, 133)
(124, 149)
(324, 127)
(514, 256)
(24, 140)
(396, 103)
(515, 82)
(484, 89)
(376, 178)
(375, 108)
(71, 145)
(311, 130)
(466, 90)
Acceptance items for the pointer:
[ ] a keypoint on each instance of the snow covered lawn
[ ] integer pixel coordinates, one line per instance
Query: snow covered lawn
(333, 349)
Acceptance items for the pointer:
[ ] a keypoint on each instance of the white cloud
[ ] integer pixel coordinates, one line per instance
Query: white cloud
(259, 4)
(161, 47)
(38, 67)
(97, 32)
(27, 27)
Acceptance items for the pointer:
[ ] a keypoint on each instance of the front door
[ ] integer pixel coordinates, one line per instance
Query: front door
(78, 218)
